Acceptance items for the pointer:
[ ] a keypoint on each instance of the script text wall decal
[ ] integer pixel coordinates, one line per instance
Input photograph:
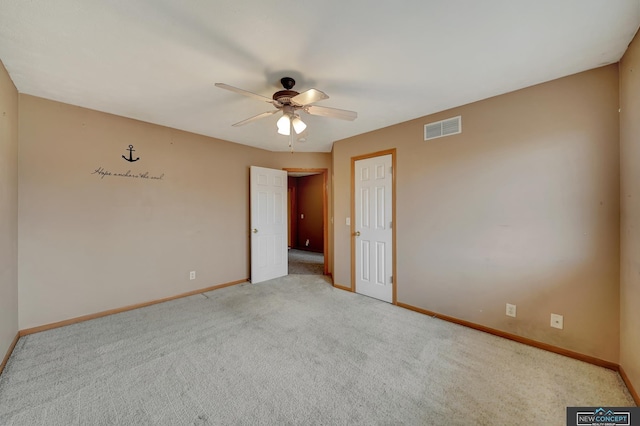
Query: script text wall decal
(102, 172)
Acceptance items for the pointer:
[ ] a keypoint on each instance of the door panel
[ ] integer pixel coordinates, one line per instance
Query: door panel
(268, 224)
(373, 239)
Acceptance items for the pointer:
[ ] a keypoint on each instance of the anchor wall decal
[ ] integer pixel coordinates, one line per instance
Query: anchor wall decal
(130, 159)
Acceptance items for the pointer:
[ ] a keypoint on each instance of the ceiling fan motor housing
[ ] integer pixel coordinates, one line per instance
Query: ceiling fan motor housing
(284, 96)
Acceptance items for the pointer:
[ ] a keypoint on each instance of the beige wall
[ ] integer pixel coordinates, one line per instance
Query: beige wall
(630, 212)
(8, 211)
(90, 243)
(522, 208)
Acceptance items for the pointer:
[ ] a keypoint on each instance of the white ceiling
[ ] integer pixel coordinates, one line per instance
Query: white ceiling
(391, 61)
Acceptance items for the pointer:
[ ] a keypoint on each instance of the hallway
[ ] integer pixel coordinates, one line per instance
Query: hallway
(305, 262)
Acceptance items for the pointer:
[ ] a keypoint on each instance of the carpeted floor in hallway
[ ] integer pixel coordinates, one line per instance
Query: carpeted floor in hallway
(305, 262)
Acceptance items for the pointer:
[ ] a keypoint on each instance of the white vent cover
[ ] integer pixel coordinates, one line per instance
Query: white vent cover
(450, 126)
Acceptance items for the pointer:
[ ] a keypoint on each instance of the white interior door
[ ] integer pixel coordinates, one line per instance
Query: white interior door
(268, 224)
(373, 222)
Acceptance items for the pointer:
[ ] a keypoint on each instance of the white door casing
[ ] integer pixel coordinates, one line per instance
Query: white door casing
(373, 234)
(268, 224)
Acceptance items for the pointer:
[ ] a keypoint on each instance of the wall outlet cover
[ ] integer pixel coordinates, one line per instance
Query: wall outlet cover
(511, 310)
(557, 321)
(192, 275)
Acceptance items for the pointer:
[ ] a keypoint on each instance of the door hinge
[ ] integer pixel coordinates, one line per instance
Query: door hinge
(390, 224)
(391, 279)
(391, 169)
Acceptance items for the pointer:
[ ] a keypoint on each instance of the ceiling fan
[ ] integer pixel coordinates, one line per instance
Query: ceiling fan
(289, 102)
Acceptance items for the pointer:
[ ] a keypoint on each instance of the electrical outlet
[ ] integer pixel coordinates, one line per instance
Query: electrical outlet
(511, 310)
(557, 321)
(301, 215)
(192, 275)
(348, 221)
(307, 243)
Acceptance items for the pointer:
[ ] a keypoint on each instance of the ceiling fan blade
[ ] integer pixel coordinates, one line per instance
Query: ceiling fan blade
(309, 96)
(244, 92)
(255, 117)
(342, 114)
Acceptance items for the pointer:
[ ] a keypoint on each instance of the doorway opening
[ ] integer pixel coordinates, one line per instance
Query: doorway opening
(307, 238)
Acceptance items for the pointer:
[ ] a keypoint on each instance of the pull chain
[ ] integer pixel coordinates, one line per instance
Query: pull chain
(291, 133)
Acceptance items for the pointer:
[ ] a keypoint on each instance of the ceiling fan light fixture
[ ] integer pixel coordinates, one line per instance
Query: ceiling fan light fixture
(298, 125)
(284, 125)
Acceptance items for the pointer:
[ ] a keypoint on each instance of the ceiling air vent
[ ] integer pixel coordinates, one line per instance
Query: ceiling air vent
(450, 126)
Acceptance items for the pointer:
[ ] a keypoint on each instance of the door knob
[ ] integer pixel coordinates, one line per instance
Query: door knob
(357, 233)
(255, 231)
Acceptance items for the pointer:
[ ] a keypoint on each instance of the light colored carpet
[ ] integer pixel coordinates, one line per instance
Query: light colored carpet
(305, 262)
(290, 351)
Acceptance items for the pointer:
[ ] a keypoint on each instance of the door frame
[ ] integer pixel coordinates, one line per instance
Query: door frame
(325, 224)
(391, 152)
(292, 206)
